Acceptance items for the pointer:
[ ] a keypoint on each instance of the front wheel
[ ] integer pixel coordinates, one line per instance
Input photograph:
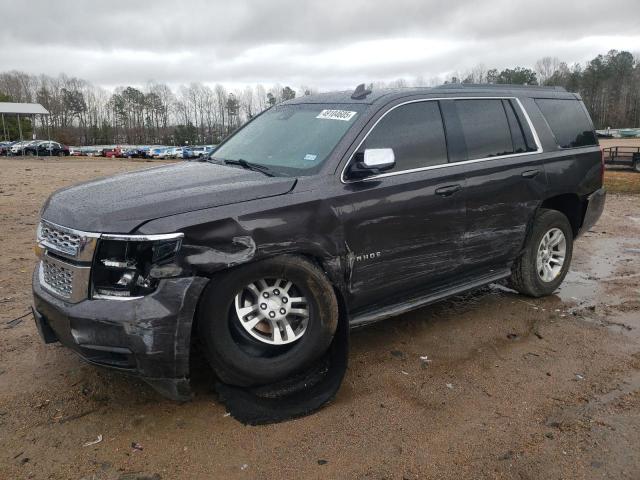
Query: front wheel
(263, 322)
(547, 255)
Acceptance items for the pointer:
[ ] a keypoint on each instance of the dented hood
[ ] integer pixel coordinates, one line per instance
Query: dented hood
(120, 203)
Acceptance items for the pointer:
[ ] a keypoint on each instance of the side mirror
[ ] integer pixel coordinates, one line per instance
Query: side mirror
(379, 158)
(372, 162)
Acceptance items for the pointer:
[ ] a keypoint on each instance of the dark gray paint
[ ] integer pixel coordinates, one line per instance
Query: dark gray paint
(430, 246)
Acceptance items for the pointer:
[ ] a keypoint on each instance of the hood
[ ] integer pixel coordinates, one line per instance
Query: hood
(121, 203)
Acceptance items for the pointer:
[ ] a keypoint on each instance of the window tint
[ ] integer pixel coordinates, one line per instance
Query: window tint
(517, 134)
(416, 134)
(485, 128)
(568, 122)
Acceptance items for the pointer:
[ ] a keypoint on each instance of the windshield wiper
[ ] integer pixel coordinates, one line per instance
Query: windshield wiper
(251, 166)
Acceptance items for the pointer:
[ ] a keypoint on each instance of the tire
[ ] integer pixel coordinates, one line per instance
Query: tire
(242, 360)
(636, 163)
(525, 277)
(61, 153)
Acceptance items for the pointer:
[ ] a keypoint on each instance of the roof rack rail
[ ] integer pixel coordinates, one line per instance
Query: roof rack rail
(360, 92)
(500, 85)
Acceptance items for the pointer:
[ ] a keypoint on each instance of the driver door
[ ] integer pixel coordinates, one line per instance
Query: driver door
(404, 227)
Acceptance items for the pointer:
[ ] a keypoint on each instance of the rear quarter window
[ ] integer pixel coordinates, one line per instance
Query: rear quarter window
(568, 121)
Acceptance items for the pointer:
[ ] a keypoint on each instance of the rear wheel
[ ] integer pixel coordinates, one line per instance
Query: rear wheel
(263, 322)
(547, 255)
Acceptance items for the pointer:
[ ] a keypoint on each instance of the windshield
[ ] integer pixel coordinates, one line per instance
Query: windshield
(291, 139)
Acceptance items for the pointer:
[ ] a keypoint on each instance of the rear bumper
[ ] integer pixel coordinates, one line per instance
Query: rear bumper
(149, 337)
(595, 207)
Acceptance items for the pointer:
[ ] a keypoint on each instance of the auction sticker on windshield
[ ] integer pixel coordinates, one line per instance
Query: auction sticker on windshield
(344, 115)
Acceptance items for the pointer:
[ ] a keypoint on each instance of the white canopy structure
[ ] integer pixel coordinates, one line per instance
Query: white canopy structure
(23, 108)
(9, 108)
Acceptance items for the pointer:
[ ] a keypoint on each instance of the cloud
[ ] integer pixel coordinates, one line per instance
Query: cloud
(328, 44)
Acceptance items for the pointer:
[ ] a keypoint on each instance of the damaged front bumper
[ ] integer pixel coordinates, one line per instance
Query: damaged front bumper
(148, 336)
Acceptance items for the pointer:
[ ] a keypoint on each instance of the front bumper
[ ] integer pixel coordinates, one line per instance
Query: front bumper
(595, 207)
(148, 336)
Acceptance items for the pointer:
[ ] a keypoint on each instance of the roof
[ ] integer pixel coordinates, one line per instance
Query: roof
(23, 108)
(458, 89)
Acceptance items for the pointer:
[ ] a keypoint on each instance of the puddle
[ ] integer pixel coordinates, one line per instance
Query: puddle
(584, 282)
(578, 287)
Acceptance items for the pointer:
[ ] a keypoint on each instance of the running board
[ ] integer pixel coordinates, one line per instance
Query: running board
(366, 318)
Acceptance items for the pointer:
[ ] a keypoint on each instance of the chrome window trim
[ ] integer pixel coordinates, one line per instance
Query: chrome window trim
(449, 164)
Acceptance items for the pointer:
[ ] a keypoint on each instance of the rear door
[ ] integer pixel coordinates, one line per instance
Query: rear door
(403, 228)
(505, 178)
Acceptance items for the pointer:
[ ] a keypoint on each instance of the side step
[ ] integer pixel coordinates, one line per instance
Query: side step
(366, 318)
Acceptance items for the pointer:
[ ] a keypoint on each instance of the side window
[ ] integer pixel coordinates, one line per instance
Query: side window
(485, 128)
(517, 134)
(416, 134)
(568, 121)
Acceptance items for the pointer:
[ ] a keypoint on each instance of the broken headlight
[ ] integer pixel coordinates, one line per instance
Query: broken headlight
(123, 263)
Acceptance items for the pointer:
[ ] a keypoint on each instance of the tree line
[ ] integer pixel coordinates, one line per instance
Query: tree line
(86, 114)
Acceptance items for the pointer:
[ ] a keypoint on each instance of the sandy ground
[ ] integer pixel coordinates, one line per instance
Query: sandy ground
(513, 388)
(620, 142)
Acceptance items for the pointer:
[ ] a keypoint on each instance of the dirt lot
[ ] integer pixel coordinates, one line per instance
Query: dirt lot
(513, 388)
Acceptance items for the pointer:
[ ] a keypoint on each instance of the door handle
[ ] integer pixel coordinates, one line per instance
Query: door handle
(448, 190)
(530, 173)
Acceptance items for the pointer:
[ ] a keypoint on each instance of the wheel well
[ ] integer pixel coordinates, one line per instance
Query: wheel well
(317, 261)
(570, 205)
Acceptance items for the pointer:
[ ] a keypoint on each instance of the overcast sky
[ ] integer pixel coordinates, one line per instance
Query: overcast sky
(327, 44)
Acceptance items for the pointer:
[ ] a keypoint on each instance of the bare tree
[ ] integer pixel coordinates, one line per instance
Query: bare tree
(546, 67)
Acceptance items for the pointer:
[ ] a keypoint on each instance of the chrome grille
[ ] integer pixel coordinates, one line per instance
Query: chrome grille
(65, 280)
(66, 255)
(57, 278)
(67, 242)
(58, 239)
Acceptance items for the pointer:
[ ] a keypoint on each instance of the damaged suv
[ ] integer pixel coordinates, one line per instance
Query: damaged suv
(341, 207)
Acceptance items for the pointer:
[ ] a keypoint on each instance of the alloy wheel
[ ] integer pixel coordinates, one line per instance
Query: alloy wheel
(551, 254)
(272, 311)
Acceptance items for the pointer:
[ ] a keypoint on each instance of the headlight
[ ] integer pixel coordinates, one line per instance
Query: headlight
(123, 263)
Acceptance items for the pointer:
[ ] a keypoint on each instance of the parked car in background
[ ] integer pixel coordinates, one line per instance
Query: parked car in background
(164, 153)
(187, 153)
(156, 152)
(197, 152)
(19, 147)
(209, 149)
(93, 151)
(133, 153)
(47, 148)
(173, 152)
(5, 147)
(115, 152)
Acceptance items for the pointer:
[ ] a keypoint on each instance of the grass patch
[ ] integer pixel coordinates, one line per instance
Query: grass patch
(622, 181)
